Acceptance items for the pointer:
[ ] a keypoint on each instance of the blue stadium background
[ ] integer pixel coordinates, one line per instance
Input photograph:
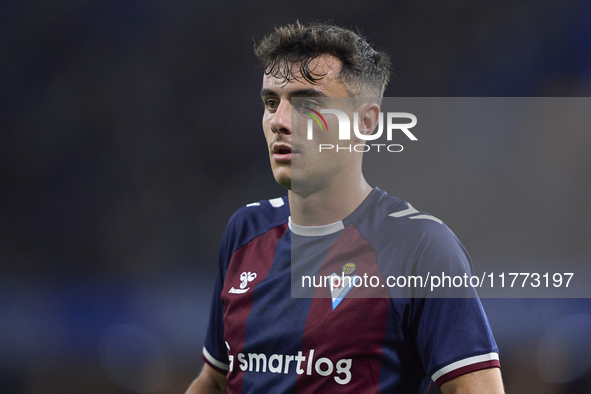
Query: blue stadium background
(130, 132)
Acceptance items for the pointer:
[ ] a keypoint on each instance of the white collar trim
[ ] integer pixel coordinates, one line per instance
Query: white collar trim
(315, 231)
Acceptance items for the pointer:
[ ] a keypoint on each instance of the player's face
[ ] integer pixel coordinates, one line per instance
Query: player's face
(311, 167)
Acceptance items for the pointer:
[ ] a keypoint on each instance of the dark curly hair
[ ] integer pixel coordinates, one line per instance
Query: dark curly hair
(365, 71)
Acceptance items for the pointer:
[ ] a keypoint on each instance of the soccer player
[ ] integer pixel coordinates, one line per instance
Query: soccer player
(262, 340)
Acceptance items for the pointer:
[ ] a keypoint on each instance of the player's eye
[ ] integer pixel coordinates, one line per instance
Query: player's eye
(271, 104)
(306, 105)
(310, 104)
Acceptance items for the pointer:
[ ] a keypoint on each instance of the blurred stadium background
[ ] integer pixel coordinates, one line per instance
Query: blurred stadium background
(130, 132)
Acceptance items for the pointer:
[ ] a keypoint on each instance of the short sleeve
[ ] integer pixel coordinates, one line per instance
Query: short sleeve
(214, 350)
(454, 337)
(453, 334)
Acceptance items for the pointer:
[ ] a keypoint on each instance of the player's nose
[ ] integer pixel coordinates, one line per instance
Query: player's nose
(281, 121)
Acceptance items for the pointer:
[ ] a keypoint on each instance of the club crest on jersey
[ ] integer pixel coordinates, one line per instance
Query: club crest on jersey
(341, 285)
(245, 277)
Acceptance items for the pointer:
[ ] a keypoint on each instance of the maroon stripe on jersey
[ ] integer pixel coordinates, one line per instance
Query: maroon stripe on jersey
(354, 330)
(256, 257)
(467, 369)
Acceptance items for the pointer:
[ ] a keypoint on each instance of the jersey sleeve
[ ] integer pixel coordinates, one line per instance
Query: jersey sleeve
(453, 334)
(245, 224)
(214, 349)
(454, 338)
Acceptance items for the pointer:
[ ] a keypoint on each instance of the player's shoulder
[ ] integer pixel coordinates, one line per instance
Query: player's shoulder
(416, 236)
(393, 218)
(274, 209)
(259, 217)
(393, 211)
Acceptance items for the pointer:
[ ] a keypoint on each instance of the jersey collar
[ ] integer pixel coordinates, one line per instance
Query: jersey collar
(327, 229)
(315, 231)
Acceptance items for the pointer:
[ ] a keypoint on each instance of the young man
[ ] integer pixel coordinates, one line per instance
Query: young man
(260, 339)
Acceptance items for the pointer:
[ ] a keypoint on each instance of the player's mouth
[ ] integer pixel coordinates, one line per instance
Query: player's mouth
(282, 152)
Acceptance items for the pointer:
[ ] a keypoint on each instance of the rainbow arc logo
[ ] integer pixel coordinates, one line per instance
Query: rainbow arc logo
(316, 117)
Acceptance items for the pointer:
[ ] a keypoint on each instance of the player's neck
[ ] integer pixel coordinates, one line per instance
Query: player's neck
(329, 204)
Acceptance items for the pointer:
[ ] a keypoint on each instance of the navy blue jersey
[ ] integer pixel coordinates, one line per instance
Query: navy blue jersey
(265, 340)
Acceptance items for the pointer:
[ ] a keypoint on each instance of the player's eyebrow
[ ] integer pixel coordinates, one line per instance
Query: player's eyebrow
(268, 92)
(308, 92)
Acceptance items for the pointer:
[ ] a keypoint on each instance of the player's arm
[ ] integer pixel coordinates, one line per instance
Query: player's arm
(208, 381)
(485, 381)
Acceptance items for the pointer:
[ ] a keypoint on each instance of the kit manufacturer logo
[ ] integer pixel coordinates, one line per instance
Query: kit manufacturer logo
(245, 278)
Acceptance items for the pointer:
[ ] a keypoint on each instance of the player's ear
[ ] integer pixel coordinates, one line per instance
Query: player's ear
(368, 118)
